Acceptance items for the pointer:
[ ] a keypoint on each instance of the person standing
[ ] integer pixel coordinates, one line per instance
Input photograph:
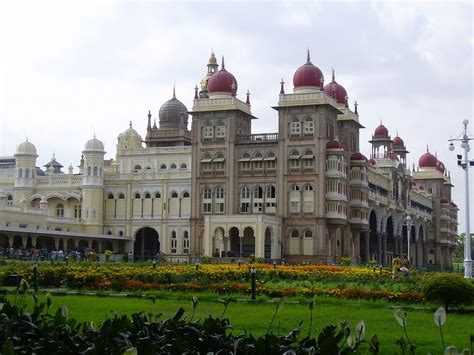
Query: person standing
(396, 264)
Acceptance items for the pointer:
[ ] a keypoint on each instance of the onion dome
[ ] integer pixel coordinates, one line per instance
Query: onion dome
(212, 59)
(308, 75)
(130, 138)
(337, 91)
(335, 144)
(358, 157)
(428, 160)
(398, 142)
(94, 145)
(173, 113)
(26, 148)
(222, 82)
(381, 131)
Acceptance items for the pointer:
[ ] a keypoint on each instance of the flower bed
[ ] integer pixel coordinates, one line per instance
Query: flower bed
(223, 279)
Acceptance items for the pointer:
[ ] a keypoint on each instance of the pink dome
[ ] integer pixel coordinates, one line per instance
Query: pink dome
(308, 75)
(440, 167)
(334, 145)
(358, 156)
(381, 131)
(428, 160)
(222, 81)
(336, 90)
(398, 142)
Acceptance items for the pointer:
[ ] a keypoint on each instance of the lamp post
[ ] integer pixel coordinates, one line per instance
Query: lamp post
(408, 222)
(465, 164)
(253, 274)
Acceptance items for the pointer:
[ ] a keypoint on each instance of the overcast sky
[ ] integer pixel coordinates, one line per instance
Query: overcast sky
(71, 68)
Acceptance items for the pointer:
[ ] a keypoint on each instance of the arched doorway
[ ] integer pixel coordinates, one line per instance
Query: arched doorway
(147, 243)
(61, 244)
(235, 245)
(390, 250)
(218, 242)
(95, 246)
(373, 238)
(70, 244)
(267, 254)
(248, 242)
(45, 243)
(17, 242)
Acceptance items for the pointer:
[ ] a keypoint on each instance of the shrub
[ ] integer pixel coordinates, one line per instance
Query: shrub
(449, 289)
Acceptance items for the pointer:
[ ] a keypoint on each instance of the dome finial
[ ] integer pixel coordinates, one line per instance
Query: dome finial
(248, 97)
(282, 86)
(223, 64)
(427, 149)
(196, 89)
(174, 91)
(308, 57)
(130, 124)
(355, 107)
(333, 76)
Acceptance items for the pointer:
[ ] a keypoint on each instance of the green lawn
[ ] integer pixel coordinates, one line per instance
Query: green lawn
(255, 318)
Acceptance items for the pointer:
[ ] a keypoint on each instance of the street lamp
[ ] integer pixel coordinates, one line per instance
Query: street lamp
(408, 222)
(464, 139)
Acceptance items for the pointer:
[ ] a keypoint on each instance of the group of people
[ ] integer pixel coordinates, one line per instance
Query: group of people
(41, 254)
(400, 266)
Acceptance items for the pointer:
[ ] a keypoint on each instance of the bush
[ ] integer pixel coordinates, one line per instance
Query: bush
(449, 289)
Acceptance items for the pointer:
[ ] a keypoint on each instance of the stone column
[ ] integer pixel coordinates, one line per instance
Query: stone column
(384, 249)
(367, 246)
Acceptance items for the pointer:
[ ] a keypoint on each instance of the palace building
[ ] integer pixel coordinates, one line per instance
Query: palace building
(304, 193)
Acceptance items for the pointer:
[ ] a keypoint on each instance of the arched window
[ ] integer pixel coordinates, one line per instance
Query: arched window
(174, 194)
(295, 199)
(20, 173)
(163, 166)
(137, 167)
(60, 210)
(295, 127)
(220, 130)
(308, 126)
(137, 196)
(185, 194)
(27, 173)
(271, 192)
(207, 200)
(184, 166)
(295, 234)
(245, 192)
(121, 233)
(245, 199)
(308, 234)
(109, 233)
(147, 195)
(295, 188)
(89, 171)
(186, 242)
(110, 196)
(308, 188)
(173, 166)
(258, 192)
(157, 195)
(121, 196)
(95, 171)
(208, 132)
(219, 195)
(174, 242)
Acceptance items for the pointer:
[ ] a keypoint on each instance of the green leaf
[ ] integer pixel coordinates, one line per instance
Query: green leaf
(64, 311)
(451, 350)
(401, 317)
(49, 301)
(131, 351)
(440, 317)
(280, 304)
(8, 348)
(360, 330)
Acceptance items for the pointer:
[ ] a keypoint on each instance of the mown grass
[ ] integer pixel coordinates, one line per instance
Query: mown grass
(255, 317)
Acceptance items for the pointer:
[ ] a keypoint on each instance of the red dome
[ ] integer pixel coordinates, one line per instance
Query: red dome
(308, 75)
(440, 167)
(358, 156)
(381, 131)
(336, 90)
(222, 81)
(398, 142)
(428, 160)
(334, 145)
